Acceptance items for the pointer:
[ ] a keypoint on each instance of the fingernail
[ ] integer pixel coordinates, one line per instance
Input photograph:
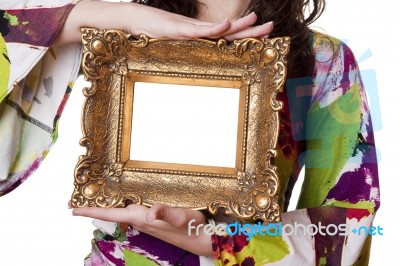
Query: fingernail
(271, 22)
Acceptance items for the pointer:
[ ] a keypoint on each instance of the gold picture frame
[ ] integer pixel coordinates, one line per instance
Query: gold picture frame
(113, 61)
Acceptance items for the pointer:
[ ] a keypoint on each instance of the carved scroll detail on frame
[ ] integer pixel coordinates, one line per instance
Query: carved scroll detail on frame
(258, 199)
(106, 47)
(259, 195)
(106, 177)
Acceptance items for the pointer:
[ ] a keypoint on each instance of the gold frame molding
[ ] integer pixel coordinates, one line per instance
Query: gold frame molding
(113, 61)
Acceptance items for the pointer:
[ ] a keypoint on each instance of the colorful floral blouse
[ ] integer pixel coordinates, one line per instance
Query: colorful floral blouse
(35, 82)
(325, 129)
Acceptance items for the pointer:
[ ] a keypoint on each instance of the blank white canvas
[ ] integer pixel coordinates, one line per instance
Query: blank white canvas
(184, 124)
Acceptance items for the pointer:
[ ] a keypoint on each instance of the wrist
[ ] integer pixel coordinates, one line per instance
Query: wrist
(96, 14)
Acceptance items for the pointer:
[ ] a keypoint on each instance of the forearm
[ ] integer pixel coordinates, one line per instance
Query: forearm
(97, 14)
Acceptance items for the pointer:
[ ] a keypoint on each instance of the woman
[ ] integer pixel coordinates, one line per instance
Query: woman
(325, 125)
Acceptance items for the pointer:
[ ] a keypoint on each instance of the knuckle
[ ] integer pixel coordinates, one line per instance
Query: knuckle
(163, 212)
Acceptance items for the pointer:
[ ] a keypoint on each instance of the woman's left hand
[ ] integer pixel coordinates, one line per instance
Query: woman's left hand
(161, 221)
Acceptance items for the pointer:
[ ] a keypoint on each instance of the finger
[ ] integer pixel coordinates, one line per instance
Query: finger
(238, 25)
(242, 23)
(133, 214)
(198, 29)
(178, 17)
(190, 31)
(252, 32)
(177, 217)
(195, 21)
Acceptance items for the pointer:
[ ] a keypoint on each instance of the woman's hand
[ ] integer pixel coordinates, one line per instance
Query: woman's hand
(161, 221)
(157, 23)
(139, 19)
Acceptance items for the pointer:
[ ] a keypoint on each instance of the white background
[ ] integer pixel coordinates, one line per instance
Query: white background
(36, 228)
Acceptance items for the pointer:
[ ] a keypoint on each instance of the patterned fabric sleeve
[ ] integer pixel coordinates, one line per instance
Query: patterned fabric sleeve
(340, 193)
(35, 81)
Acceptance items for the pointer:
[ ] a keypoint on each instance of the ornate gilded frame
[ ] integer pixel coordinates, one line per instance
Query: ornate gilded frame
(113, 60)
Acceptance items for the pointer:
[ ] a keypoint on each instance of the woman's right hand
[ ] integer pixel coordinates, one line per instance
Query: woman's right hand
(139, 19)
(157, 23)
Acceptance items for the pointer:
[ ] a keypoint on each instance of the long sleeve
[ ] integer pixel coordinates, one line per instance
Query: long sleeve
(35, 82)
(340, 194)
